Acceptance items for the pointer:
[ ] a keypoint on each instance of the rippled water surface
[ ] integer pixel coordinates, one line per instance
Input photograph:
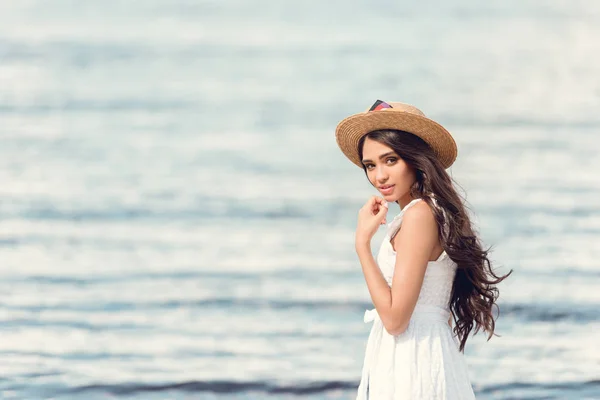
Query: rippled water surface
(176, 220)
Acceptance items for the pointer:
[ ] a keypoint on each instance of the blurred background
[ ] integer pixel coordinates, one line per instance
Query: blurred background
(177, 222)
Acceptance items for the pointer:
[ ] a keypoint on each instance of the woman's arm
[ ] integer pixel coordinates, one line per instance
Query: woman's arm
(414, 243)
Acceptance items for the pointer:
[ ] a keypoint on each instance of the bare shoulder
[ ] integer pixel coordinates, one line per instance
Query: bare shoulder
(420, 214)
(419, 228)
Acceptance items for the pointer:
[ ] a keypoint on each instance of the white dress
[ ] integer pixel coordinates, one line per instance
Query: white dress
(423, 362)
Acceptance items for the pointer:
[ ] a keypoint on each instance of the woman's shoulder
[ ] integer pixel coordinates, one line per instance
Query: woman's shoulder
(419, 226)
(420, 216)
(420, 212)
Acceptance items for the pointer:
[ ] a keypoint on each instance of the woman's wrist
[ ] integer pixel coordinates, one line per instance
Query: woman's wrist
(362, 244)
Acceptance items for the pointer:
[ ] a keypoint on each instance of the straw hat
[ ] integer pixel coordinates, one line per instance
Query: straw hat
(394, 115)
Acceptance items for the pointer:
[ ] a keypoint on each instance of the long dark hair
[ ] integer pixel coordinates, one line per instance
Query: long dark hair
(474, 291)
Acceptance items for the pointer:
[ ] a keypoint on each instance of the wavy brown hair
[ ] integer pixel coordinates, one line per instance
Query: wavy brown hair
(474, 291)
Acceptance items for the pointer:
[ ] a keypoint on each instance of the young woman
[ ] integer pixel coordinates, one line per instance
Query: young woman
(431, 268)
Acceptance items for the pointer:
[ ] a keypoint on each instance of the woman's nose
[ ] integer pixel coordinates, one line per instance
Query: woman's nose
(381, 175)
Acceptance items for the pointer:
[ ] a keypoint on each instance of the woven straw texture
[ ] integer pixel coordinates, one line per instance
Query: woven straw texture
(402, 117)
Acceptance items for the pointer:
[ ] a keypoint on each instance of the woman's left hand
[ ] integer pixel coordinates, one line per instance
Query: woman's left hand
(370, 217)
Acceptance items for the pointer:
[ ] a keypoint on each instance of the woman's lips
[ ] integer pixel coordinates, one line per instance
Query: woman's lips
(387, 190)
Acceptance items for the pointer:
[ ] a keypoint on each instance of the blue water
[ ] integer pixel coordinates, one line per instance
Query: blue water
(176, 220)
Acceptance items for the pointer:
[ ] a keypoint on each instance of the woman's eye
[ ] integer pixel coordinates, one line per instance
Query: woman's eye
(389, 161)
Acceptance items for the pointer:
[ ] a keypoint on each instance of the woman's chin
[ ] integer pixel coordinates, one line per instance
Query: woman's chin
(390, 198)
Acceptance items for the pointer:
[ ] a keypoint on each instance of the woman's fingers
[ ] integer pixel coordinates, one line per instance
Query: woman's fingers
(374, 204)
(376, 199)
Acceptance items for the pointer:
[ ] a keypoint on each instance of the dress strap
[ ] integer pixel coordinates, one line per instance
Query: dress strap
(406, 207)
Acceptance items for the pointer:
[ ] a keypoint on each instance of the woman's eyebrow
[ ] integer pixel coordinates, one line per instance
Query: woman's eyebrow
(380, 157)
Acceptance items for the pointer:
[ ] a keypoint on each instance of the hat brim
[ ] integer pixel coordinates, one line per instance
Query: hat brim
(351, 129)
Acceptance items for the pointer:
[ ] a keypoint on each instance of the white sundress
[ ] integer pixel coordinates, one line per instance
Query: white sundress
(423, 362)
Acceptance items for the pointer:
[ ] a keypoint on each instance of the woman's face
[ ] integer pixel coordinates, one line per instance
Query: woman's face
(391, 175)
